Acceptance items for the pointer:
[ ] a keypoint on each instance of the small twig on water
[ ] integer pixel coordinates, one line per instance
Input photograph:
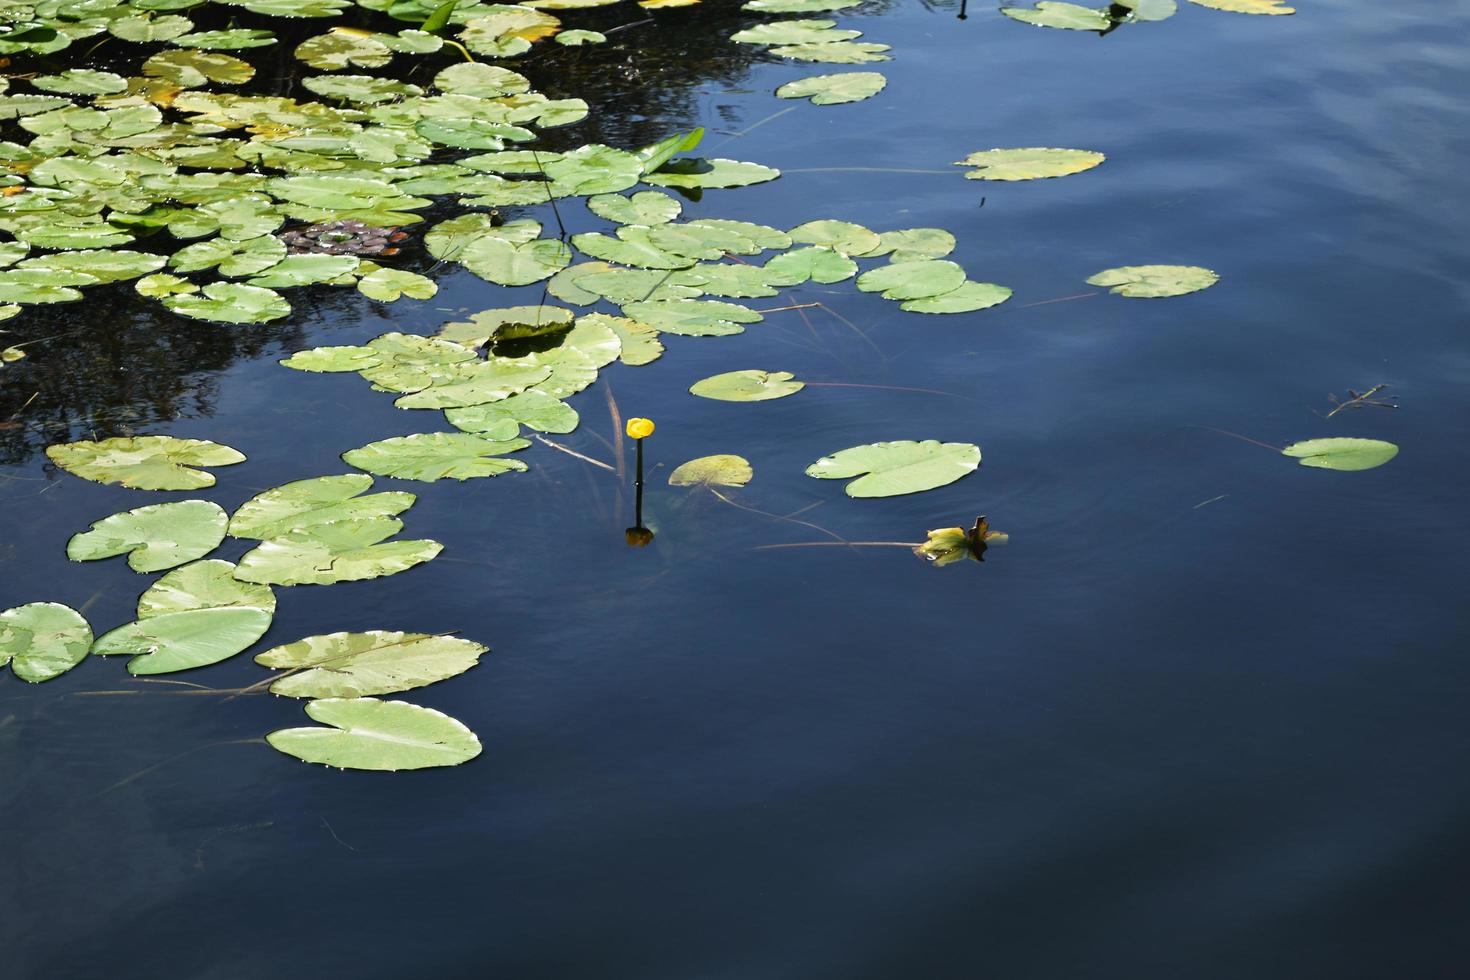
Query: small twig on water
(1237, 435)
(1360, 400)
(834, 544)
(572, 452)
(796, 306)
(550, 197)
(839, 539)
(1059, 299)
(617, 422)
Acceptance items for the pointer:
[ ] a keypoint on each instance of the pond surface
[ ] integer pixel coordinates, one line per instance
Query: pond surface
(1204, 715)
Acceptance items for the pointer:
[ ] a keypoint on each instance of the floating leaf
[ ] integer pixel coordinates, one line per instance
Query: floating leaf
(1149, 10)
(43, 640)
(655, 155)
(747, 386)
(577, 38)
(913, 280)
(234, 258)
(712, 471)
(631, 247)
(499, 261)
(1029, 163)
(895, 468)
(377, 735)
(430, 456)
(502, 420)
(448, 238)
(303, 270)
(1342, 453)
(695, 172)
(230, 302)
(693, 318)
(1069, 16)
(834, 89)
(1155, 280)
(509, 323)
(835, 53)
(155, 537)
(412, 363)
(841, 236)
(162, 284)
(966, 298)
(81, 81)
(481, 80)
(176, 641)
(387, 285)
(908, 244)
(1248, 6)
(798, 6)
(816, 263)
(203, 585)
(191, 69)
(726, 279)
(337, 49)
(794, 32)
(638, 342)
(306, 504)
(230, 40)
(352, 665)
(144, 462)
(365, 89)
(145, 29)
(322, 360)
(341, 551)
(642, 208)
(476, 383)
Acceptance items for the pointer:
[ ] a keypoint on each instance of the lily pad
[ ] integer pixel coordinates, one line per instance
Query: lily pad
(578, 37)
(477, 383)
(310, 503)
(155, 537)
(642, 208)
(638, 342)
(387, 285)
(835, 53)
(326, 360)
(377, 735)
(696, 172)
(508, 323)
(176, 641)
(817, 263)
(913, 280)
(341, 551)
(834, 89)
(353, 665)
(968, 297)
(206, 584)
(1342, 453)
(81, 81)
(798, 6)
(145, 462)
(43, 640)
(747, 386)
(890, 469)
(1029, 163)
(192, 69)
(908, 244)
(338, 49)
(1068, 16)
(692, 317)
(502, 420)
(840, 236)
(1155, 280)
(430, 456)
(1248, 6)
(230, 302)
(712, 471)
(794, 32)
(499, 261)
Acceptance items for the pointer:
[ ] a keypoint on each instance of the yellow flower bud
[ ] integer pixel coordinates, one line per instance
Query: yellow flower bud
(640, 428)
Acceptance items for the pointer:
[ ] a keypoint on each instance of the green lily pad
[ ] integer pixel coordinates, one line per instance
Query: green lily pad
(712, 471)
(177, 641)
(696, 172)
(502, 420)
(1028, 163)
(387, 285)
(747, 386)
(1149, 10)
(145, 29)
(1342, 453)
(638, 342)
(233, 258)
(1155, 280)
(579, 37)
(102, 264)
(353, 665)
(155, 537)
(1068, 16)
(303, 270)
(81, 81)
(841, 236)
(890, 469)
(476, 383)
(794, 32)
(377, 735)
(411, 363)
(1248, 6)
(236, 39)
(306, 504)
(363, 89)
(816, 263)
(922, 279)
(509, 323)
(968, 297)
(208, 584)
(144, 462)
(632, 247)
(499, 261)
(835, 53)
(43, 640)
(340, 551)
(909, 244)
(28, 286)
(834, 89)
(726, 279)
(192, 69)
(338, 49)
(481, 80)
(430, 456)
(642, 208)
(230, 302)
(798, 6)
(325, 360)
(693, 318)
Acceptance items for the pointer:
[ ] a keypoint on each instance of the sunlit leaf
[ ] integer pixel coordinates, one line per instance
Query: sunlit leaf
(794, 32)
(229, 302)
(81, 81)
(192, 69)
(817, 263)
(144, 462)
(1155, 280)
(835, 53)
(145, 29)
(481, 80)
(387, 285)
(43, 640)
(1028, 163)
(908, 244)
(889, 469)
(303, 270)
(502, 420)
(352, 665)
(341, 551)
(476, 383)
(842, 236)
(508, 323)
(377, 735)
(306, 504)
(155, 537)
(1069, 16)
(1248, 6)
(642, 208)
(747, 386)
(693, 318)
(236, 39)
(913, 280)
(966, 298)
(696, 172)
(834, 89)
(579, 37)
(430, 456)
(320, 360)
(1342, 453)
(177, 641)
(798, 6)
(712, 471)
(206, 584)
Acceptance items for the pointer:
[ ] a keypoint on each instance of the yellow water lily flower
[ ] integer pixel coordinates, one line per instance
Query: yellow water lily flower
(640, 428)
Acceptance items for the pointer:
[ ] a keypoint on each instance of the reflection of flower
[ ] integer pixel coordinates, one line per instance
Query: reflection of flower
(344, 237)
(640, 428)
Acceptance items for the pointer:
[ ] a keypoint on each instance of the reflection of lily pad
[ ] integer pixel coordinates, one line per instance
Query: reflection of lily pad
(1342, 453)
(378, 735)
(889, 469)
(145, 462)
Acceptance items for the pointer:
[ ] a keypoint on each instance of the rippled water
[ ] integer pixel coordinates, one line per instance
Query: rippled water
(1204, 716)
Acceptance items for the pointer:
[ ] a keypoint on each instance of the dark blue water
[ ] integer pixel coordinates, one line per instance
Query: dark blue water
(1204, 716)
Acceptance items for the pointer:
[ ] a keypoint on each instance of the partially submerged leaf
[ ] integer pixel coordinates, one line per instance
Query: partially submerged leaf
(43, 640)
(144, 462)
(895, 468)
(353, 665)
(747, 386)
(1345, 454)
(378, 735)
(155, 537)
(712, 471)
